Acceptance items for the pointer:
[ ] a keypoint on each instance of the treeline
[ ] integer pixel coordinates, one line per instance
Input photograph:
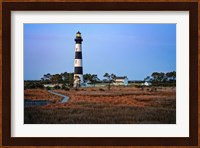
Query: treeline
(63, 78)
(32, 84)
(66, 79)
(162, 79)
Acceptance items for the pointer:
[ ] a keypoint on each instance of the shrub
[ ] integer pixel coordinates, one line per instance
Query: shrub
(33, 85)
(67, 89)
(56, 87)
(64, 86)
(48, 88)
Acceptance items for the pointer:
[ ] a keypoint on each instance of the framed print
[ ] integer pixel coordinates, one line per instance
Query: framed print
(100, 74)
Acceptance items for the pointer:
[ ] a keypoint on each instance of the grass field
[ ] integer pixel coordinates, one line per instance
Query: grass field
(119, 105)
(40, 94)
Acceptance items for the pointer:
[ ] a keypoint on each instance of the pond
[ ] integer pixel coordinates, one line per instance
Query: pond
(29, 103)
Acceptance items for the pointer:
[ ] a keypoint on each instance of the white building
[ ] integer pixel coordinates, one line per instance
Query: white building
(52, 85)
(121, 81)
(146, 84)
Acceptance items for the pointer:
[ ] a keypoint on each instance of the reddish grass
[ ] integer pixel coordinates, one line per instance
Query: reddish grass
(40, 94)
(118, 105)
(127, 97)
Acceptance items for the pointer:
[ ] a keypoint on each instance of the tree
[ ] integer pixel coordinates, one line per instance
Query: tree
(93, 78)
(147, 79)
(87, 77)
(46, 78)
(171, 76)
(113, 76)
(57, 78)
(174, 75)
(110, 78)
(64, 77)
(67, 79)
(70, 79)
(160, 78)
(107, 75)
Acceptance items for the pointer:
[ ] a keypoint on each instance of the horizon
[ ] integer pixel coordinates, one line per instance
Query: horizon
(132, 50)
(87, 73)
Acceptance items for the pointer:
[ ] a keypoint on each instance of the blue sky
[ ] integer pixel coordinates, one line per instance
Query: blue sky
(132, 50)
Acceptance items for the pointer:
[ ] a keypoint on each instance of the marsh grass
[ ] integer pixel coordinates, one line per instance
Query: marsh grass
(93, 106)
(40, 94)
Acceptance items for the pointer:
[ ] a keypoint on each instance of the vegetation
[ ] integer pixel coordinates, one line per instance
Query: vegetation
(67, 79)
(92, 78)
(64, 78)
(40, 94)
(110, 78)
(33, 85)
(122, 105)
(57, 87)
(48, 88)
(162, 79)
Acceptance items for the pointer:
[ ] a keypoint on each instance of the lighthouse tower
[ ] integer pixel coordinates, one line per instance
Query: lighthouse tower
(78, 67)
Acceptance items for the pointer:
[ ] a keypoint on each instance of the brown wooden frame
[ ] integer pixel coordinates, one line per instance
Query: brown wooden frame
(7, 7)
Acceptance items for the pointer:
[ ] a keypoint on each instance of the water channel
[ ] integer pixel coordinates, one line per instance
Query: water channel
(29, 102)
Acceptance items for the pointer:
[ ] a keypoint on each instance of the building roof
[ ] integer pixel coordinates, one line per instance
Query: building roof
(121, 77)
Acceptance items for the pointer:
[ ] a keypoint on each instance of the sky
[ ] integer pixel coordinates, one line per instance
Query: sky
(132, 50)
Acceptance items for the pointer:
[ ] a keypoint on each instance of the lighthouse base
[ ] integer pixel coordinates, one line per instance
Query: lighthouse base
(78, 80)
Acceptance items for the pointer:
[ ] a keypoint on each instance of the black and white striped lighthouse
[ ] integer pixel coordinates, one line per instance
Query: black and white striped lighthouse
(78, 65)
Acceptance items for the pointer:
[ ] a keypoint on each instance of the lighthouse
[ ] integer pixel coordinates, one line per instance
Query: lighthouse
(78, 64)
